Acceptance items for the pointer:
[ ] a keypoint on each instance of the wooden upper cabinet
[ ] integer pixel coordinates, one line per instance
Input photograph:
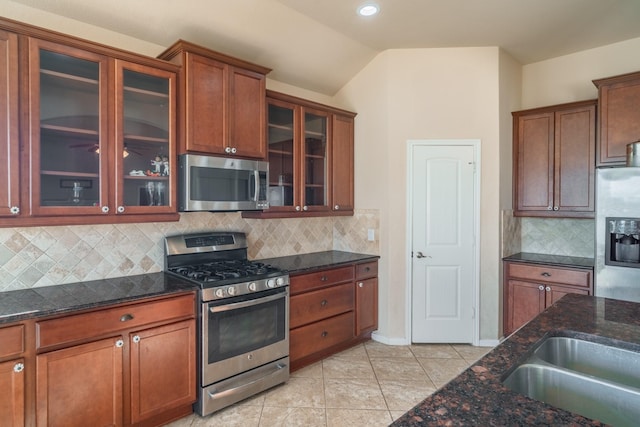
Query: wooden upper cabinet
(310, 154)
(618, 117)
(554, 150)
(9, 157)
(222, 102)
(342, 163)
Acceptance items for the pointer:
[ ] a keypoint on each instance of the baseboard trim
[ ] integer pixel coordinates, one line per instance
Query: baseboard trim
(375, 336)
(488, 343)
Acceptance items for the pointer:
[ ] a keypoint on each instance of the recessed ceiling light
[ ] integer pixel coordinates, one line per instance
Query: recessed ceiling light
(368, 9)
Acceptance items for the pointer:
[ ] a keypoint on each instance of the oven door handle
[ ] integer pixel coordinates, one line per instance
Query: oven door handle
(249, 303)
(216, 393)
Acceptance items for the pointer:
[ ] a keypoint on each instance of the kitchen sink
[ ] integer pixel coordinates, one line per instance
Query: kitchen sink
(595, 380)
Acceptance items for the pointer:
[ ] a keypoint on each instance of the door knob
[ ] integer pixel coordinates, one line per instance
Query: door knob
(421, 255)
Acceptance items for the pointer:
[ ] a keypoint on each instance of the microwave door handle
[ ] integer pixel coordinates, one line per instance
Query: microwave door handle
(256, 183)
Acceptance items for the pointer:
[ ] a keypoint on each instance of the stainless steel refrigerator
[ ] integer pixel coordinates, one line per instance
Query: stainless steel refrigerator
(617, 267)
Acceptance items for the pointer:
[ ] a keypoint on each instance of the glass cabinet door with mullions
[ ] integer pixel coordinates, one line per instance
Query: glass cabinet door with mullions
(144, 139)
(68, 129)
(282, 152)
(315, 165)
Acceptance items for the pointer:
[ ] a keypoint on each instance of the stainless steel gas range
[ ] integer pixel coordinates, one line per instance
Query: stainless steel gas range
(243, 322)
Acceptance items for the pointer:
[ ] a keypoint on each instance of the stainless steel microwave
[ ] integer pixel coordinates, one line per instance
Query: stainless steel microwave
(208, 183)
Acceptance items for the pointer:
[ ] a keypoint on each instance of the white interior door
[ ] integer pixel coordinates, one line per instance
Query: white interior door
(443, 244)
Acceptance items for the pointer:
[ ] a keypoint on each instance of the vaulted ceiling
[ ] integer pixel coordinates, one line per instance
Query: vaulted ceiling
(321, 44)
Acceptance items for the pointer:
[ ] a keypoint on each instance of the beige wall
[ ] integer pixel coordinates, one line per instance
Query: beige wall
(568, 78)
(425, 94)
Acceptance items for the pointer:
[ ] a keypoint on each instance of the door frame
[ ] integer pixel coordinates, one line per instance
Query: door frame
(475, 144)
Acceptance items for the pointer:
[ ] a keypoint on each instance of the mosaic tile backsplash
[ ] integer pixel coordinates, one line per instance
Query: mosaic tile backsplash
(570, 237)
(43, 256)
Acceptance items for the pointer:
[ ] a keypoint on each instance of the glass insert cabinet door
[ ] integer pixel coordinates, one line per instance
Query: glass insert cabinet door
(68, 137)
(144, 139)
(315, 165)
(282, 135)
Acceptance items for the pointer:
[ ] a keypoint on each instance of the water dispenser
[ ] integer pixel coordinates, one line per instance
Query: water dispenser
(622, 242)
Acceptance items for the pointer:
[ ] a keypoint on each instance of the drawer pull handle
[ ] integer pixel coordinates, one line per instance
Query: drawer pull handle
(367, 269)
(324, 334)
(545, 274)
(323, 279)
(323, 302)
(126, 318)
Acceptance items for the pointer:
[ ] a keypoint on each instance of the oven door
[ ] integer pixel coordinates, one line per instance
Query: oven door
(243, 333)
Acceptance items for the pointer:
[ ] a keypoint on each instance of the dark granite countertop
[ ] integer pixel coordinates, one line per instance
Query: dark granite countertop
(304, 263)
(557, 260)
(477, 397)
(48, 300)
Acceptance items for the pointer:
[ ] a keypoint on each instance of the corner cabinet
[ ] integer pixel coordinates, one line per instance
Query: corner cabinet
(310, 153)
(9, 142)
(554, 165)
(530, 288)
(331, 310)
(222, 102)
(97, 132)
(12, 375)
(618, 117)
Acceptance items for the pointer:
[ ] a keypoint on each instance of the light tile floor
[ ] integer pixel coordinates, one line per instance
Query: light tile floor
(369, 385)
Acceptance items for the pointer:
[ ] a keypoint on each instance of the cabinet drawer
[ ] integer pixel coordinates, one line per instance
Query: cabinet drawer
(541, 273)
(320, 279)
(367, 270)
(318, 336)
(316, 305)
(11, 340)
(102, 322)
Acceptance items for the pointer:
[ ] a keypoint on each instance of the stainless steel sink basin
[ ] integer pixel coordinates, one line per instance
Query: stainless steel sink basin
(599, 360)
(591, 379)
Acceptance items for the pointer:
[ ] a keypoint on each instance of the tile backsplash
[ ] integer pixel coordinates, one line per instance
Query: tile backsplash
(561, 236)
(43, 256)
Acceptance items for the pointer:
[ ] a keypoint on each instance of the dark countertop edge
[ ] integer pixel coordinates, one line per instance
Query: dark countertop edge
(549, 259)
(178, 287)
(478, 397)
(309, 262)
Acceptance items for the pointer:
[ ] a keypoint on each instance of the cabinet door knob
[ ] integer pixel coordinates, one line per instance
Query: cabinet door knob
(548, 289)
(105, 209)
(360, 284)
(549, 208)
(136, 339)
(541, 288)
(323, 302)
(324, 334)
(119, 343)
(298, 208)
(336, 207)
(18, 367)
(120, 209)
(227, 150)
(555, 208)
(14, 210)
(234, 150)
(305, 208)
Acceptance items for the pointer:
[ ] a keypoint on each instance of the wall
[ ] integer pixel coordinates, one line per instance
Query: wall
(425, 94)
(44, 256)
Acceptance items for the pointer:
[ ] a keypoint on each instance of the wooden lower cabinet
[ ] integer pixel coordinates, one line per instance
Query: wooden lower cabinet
(530, 288)
(170, 347)
(140, 375)
(12, 384)
(81, 383)
(331, 310)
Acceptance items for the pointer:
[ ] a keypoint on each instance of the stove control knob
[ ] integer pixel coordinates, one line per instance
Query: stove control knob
(219, 293)
(280, 281)
(252, 286)
(231, 290)
(271, 283)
